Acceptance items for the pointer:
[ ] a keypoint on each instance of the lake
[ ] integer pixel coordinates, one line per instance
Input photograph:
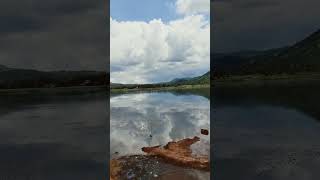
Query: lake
(268, 132)
(146, 119)
(53, 136)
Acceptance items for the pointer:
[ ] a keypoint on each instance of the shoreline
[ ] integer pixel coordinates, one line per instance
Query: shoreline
(238, 80)
(54, 90)
(263, 80)
(180, 87)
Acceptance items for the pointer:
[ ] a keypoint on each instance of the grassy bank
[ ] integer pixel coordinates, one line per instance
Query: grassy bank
(258, 79)
(197, 86)
(56, 90)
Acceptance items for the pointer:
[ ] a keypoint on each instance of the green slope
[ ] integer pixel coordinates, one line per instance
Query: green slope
(203, 79)
(26, 78)
(200, 80)
(304, 56)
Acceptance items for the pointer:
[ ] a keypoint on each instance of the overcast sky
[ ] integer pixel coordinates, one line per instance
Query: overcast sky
(53, 34)
(159, 41)
(262, 24)
(168, 38)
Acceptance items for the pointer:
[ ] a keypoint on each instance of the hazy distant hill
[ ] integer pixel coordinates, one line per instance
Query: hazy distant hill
(178, 80)
(3, 68)
(199, 80)
(26, 78)
(304, 56)
(203, 79)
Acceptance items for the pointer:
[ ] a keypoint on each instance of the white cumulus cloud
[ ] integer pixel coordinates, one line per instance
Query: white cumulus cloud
(187, 7)
(157, 51)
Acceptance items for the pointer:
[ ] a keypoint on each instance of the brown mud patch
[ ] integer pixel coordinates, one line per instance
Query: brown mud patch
(172, 161)
(151, 167)
(179, 153)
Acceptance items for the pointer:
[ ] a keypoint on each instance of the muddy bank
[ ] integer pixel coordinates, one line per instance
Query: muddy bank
(180, 153)
(152, 167)
(172, 161)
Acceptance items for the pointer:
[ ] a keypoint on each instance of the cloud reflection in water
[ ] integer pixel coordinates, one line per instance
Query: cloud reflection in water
(149, 119)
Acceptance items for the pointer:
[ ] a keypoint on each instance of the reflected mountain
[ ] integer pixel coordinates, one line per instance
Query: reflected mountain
(204, 92)
(302, 96)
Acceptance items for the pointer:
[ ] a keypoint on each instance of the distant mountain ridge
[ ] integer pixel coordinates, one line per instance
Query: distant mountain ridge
(199, 80)
(177, 80)
(11, 78)
(203, 79)
(3, 68)
(303, 56)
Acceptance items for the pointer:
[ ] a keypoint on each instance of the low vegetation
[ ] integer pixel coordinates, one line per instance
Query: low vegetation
(11, 78)
(184, 83)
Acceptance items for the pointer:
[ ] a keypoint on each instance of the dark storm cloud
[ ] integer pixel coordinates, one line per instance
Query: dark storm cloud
(57, 7)
(262, 24)
(26, 14)
(14, 24)
(250, 3)
(53, 35)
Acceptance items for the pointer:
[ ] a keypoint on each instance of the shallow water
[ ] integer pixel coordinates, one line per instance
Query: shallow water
(148, 119)
(53, 136)
(267, 133)
(150, 167)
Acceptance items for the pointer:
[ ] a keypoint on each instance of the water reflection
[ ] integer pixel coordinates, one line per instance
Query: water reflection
(269, 132)
(148, 119)
(53, 136)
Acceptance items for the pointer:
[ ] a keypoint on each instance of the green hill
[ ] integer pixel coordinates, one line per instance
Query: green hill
(203, 79)
(199, 80)
(11, 78)
(3, 68)
(303, 56)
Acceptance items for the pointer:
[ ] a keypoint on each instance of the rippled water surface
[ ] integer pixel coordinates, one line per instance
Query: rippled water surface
(148, 119)
(267, 133)
(53, 136)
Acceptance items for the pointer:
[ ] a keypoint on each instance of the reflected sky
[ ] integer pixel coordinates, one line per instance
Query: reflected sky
(149, 119)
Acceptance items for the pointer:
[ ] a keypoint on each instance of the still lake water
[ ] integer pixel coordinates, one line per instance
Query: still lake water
(260, 133)
(148, 119)
(266, 133)
(53, 136)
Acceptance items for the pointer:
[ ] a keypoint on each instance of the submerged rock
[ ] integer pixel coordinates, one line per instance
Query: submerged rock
(152, 167)
(134, 167)
(204, 132)
(179, 153)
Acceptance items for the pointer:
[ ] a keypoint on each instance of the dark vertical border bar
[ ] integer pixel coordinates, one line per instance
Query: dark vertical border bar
(107, 37)
(211, 95)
